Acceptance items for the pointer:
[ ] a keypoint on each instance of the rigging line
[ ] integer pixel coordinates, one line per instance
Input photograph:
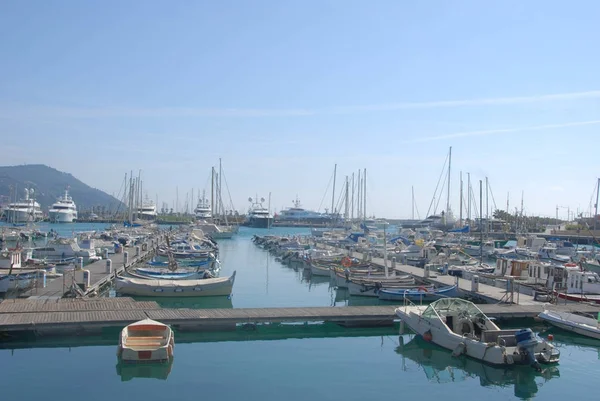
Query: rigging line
(492, 193)
(440, 197)
(325, 194)
(227, 187)
(438, 184)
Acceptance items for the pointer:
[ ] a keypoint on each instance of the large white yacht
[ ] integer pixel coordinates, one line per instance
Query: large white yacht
(258, 215)
(25, 210)
(202, 210)
(148, 210)
(64, 210)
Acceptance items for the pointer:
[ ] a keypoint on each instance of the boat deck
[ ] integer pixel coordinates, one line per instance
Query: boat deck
(81, 316)
(58, 287)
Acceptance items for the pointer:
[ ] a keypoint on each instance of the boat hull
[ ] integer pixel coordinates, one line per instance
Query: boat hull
(561, 320)
(418, 294)
(175, 288)
(62, 217)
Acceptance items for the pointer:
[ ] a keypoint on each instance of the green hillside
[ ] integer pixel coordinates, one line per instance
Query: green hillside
(49, 184)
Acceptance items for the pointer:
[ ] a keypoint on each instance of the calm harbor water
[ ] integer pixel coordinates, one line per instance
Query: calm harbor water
(295, 362)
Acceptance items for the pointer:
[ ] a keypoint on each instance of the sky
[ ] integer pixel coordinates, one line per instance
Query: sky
(282, 91)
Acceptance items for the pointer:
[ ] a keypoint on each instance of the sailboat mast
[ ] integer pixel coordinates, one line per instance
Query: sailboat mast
(333, 191)
(347, 205)
(596, 211)
(358, 196)
(212, 192)
(220, 203)
(460, 218)
(448, 196)
(365, 196)
(352, 207)
(469, 197)
(487, 208)
(480, 220)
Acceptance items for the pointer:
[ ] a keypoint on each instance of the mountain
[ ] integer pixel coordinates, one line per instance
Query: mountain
(49, 184)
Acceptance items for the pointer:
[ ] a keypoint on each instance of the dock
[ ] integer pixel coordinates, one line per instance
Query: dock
(99, 274)
(485, 293)
(79, 316)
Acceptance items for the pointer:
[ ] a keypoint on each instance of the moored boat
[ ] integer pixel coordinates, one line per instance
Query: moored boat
(460, 326)
(221, 286)
(146, 341)
(585, 326)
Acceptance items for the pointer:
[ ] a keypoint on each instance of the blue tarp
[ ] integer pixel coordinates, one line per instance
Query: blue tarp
(355, 236)
(465, 229)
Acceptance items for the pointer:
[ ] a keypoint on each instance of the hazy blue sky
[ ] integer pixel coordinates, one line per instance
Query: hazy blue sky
(283, 90)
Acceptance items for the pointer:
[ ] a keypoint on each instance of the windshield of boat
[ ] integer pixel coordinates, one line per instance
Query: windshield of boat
(452, 306)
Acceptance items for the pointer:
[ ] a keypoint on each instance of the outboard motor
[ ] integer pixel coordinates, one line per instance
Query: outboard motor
(526, 342)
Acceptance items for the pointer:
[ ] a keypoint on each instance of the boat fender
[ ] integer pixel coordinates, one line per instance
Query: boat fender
(460, 349)
(170, 351)
(509, 359)
(427, 336)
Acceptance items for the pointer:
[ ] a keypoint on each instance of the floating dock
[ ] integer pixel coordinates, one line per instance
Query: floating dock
(92, 315)
(90, 280)
(485, 293)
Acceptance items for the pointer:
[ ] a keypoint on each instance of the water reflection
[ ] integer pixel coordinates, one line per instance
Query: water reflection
(130, 371)
(441, 367)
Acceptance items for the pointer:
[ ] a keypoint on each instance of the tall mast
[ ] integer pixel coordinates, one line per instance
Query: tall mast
(596, 211)
(469, 197)
(212, 192)
(333, 191)
(460, 218)
(480, 219)
(487, 208)
(130, 203)
(352, 208)
(220, 203)
(448, 197)
(359, 197)
(365, 197)
(347, 205)
(507, 202)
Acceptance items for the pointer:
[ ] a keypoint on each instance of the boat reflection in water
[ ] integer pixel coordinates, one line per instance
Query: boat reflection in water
(130, 371)
(441, 367)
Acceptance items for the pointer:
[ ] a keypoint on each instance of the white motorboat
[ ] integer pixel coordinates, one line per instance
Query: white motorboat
(460, 326)
(585, 326)
(147, 210)
(64, 210)
(203, 209)
(221, 286)
(64, 249)
(25, 210)
(258, 216)
(146, 341)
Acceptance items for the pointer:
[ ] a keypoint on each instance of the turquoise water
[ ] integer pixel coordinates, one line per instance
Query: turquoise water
(292, 362)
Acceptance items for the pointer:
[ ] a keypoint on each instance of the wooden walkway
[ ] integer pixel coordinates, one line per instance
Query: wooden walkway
(486, 292)
(58, 287)
(78, 316)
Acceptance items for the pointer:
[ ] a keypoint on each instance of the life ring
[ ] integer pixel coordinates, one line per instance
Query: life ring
(397, 249)
(346, 261)
(570, 264)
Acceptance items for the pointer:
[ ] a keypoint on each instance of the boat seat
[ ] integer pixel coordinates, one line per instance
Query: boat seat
(147, 344)
(144, 338)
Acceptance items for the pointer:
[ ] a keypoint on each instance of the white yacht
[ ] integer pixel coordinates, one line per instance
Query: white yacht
(202, 210)
(258, 215)
(148, 210)
(25, 210)
(64, 210)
